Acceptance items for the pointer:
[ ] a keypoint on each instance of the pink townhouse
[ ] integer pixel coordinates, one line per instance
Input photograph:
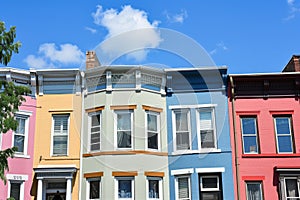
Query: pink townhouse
(19, 176)
(264, 112)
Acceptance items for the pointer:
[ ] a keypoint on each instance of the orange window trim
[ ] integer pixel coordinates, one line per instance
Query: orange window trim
(93, 175)
(120, 173)
(123, 107)
(95, 109)
(155, 174)
(150, 108)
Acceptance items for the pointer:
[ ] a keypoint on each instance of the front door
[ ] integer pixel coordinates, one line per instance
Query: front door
(50, 196)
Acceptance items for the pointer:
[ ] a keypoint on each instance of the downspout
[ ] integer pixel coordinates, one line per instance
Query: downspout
(235, 139)
(81, 132)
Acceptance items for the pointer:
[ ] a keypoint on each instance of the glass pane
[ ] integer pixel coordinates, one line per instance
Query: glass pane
(96, 120)
(60, 144)
(292, 189)
(60, 124)
(15, 190)
(211, 195)
(19, 142)
(21, 126)
(124, 121)
(285, 144)
(282, 125)
(95, 129)
(152, 140)
(254, 191)
(124, 139)
(154, 189)
(124, 189)
(207, 139)
(95, 147)
(206, 120)
(152, 122)
(250, 145)
(183, 141)
(248, 126)
(181, 121)
(183, 187)
(95, 189)
(209, 182)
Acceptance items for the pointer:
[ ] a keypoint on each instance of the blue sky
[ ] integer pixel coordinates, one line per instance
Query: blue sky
(247, 36)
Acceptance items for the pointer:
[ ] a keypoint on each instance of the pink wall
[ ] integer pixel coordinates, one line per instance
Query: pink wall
(21, 165)
(261, 166)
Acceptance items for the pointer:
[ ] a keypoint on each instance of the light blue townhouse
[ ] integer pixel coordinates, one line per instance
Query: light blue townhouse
(199, 151)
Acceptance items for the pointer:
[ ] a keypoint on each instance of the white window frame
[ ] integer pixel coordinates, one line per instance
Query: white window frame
(290, 134)
(188, 112)
(88, 187)
(158, 129)
(177, 189)
(116, 128)
(254, 182)
(21, 188)
(284, 182)
(117, 187)
(90, 115)
(209, 189)
(52, 134)
(160, 188)
(26, 131)
(198, 113)
(256, 133)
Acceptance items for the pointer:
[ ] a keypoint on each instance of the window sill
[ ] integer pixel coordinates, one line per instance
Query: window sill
(271, 155)
(22, 156)
(202, 151)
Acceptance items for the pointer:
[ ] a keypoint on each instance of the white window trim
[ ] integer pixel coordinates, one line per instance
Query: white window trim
(88, 187)
(210, 189)
(176, 187)
(26, 132)
(214, 129)
(116, 129)
(158, 130)
(210, 170)
(160, 188)
(256, 135)
(291, 135)
(21, 188)
(52, 134)
(174, 107)
(117, 187)
(188, 111)
(254, 182)
(89, 130)
(182, 171)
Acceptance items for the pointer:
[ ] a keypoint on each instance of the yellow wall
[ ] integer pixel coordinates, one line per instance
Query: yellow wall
(47, 105)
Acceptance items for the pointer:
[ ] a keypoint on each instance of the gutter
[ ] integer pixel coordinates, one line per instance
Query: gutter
(235, 140)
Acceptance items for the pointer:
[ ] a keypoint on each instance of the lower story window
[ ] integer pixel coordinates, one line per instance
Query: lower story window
(183, 188)
(210, 187)
(254, 190)
(16, 190)
(154, 188)
(94, 188)
(125, 188)
(291, 188)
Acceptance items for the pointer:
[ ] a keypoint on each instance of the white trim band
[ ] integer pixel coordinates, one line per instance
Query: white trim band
(209, 170)
(182, 171)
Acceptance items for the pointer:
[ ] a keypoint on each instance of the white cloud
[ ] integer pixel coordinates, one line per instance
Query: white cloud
(293, 9)
(176, 18)
(49, 56)
(128, 30)
(219, 46)
(92, 30)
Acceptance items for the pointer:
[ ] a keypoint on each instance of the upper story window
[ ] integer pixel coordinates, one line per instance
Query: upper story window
(254, 190)
(124, 126)
(207, 128)
(283, 132)
(182, 133)
(153, 130)
(95, 131)
(60, 134)
(183, 187)
(20, 136)
(249, 135)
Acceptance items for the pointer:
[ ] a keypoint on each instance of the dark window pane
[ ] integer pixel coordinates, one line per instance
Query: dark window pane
(152, 140)
(95, 189)
(292, 189)
(15, 190)
(124, 189)
(96, 120)
(210, 196)
(250, 145)
(19, 142)
(254, 191)
(284, 144)
(282, 125)
(152, 122)
(183, 187)
(207, 139)
(183, 141)
(124, 139)
(153, 189)
(248, 125)
(60, 144)
(208, 182)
